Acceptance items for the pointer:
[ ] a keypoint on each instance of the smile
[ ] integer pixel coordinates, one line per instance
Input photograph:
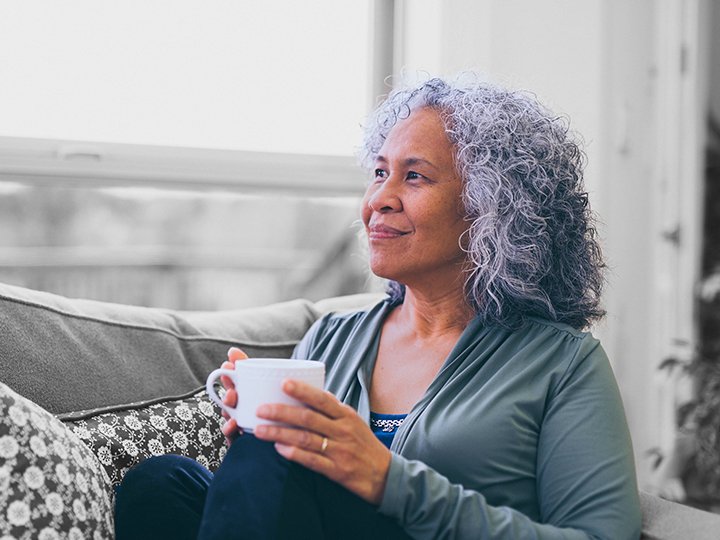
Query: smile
(383, 232)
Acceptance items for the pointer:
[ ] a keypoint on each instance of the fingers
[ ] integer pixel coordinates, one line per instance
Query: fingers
(308, 449)
(224, 379)
(234, 354)
(230, 428)
(315, 461)
(295, 420)
(317, 399)
(324, 414)
(231, 431)
(230, 399)
(307, 440)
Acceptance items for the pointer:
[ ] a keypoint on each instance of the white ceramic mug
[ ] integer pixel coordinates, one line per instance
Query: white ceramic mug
(258, 381)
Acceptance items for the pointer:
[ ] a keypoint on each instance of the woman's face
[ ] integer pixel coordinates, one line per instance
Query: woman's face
(412, 209)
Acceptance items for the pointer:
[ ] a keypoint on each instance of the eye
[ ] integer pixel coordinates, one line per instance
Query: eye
(412, 175)
(379, 173)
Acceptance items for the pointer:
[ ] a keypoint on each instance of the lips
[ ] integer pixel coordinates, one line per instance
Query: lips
(384, 232)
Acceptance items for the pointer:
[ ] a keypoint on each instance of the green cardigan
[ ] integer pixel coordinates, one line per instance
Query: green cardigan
(520, 435)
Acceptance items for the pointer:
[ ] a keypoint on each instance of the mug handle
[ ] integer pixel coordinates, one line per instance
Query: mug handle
(210, 388)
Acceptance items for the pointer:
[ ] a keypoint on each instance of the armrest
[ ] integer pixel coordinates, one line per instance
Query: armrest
(665, 520)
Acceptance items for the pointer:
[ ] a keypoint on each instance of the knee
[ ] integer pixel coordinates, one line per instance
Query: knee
(251, 448)
(166, 470)
(160, 477)
(250, 458)
(163, 495)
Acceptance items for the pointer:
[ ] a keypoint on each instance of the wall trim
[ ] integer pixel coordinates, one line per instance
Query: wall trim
(90, 164)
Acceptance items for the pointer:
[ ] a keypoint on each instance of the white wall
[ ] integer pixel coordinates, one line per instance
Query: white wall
(605, 64)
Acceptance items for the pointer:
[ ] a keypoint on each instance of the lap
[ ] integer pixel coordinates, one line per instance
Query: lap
(256, 493)
(270, 497)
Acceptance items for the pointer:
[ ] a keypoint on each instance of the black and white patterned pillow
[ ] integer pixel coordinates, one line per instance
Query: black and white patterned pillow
(51, 485)
(123, 437)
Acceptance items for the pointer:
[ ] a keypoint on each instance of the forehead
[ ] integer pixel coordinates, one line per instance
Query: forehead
(422, 132)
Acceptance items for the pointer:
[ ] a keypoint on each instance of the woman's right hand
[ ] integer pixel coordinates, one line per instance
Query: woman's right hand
(230, 429)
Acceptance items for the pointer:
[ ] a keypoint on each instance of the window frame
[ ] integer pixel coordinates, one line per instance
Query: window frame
(93, 165)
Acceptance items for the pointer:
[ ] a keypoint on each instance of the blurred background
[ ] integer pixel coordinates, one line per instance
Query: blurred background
(200, 155)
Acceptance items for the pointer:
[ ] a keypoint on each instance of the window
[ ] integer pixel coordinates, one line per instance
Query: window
(114, 110)
(277, 76)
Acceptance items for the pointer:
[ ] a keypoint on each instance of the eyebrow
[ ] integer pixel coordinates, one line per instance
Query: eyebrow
(407, 161)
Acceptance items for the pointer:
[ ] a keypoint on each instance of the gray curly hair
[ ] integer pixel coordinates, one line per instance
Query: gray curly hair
(532, 245)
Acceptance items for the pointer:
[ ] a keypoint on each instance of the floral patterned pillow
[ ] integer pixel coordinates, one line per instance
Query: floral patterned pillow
(123, 437)
(51, 485)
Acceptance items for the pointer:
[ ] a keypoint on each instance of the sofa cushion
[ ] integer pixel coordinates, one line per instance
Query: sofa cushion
(666, 520)
(51, 484)
(122, 437)
(69, 355)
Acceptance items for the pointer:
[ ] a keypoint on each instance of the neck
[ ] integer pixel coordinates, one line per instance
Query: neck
(436, 315)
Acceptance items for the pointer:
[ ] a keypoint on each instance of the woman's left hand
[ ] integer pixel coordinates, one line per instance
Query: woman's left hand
(330, 438)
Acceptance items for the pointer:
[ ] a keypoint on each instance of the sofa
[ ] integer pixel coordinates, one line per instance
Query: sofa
(90, 389)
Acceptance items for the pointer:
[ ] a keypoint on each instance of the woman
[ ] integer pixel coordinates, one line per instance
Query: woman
(492, 414)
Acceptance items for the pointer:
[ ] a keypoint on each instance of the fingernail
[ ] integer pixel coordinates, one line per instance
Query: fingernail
(262, 410)
(281, 448)
(260, 430)
(290, 385)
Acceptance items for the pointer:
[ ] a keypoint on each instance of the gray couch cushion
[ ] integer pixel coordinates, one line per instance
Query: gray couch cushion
(68, 355)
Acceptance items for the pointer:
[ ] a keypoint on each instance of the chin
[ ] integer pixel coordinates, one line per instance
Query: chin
(383, 272)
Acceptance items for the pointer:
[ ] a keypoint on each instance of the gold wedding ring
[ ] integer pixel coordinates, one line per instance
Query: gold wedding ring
(324, 445)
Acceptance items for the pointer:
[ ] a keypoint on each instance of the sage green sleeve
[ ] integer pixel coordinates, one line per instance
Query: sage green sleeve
(430, 507)
(585, 475)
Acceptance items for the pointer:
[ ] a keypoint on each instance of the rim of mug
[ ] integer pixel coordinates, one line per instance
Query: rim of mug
(279, 363)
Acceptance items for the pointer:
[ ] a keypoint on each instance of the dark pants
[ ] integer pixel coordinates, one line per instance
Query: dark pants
(256, 493)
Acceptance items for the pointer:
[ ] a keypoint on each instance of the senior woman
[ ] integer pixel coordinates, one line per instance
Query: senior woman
(467, 404)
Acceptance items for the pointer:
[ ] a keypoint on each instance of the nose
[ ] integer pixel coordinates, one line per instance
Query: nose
(385, 197)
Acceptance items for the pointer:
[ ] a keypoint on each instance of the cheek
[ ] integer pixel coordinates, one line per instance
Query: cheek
(454, 223)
